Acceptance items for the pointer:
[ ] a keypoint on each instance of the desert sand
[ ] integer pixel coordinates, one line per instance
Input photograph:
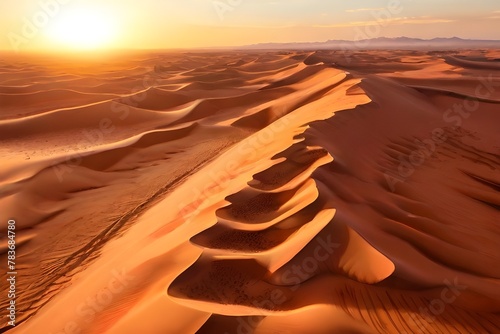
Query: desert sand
(253, 192)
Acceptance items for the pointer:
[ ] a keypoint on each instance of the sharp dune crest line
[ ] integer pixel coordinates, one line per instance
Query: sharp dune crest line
(254, 192)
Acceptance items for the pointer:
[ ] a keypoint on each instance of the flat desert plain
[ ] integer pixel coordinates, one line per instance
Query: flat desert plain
(252, 192)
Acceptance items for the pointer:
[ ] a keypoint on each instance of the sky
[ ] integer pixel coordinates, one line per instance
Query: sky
(164, 24)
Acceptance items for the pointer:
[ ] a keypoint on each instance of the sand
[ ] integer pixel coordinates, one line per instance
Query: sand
(253, 192)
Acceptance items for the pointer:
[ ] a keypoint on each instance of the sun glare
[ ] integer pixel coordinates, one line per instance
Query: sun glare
(83, 29)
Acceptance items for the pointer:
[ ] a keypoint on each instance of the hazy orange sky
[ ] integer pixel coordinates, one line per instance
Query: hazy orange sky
(49, 24)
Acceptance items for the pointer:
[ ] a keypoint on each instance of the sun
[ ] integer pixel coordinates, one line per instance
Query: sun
(83, 28)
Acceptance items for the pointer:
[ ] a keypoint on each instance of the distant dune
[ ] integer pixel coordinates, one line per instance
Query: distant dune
(319, 191)
(398, 43)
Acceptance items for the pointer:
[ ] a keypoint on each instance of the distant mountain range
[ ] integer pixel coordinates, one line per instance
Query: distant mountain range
(383, 43)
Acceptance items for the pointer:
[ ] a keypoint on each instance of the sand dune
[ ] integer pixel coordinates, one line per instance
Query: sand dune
(37, 102)
(254, 192)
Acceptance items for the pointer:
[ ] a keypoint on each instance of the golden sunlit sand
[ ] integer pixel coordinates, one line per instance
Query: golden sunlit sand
(252, 191)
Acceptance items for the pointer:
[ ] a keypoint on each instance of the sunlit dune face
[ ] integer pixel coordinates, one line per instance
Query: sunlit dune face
(83, 29)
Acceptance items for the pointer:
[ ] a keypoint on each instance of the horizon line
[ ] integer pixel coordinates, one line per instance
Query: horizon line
(228, 47)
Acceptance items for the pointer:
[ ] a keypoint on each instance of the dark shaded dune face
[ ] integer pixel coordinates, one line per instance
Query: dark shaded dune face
(255, 208)
(156, 99)
(292, 85)
(282, 173)
(99, 121)
(206, 108)
(37, 102)
(204, 86)
(271, 67)
(226, 238)
(221, 237)
(473, 63)
(256, 121)
(103, 161)
(296, 77)
(225, 282)
(223, 324)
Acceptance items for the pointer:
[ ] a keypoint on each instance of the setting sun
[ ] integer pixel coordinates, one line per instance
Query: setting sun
(83, 29)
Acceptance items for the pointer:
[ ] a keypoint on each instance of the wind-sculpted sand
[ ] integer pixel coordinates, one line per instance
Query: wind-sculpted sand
(254, 192)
